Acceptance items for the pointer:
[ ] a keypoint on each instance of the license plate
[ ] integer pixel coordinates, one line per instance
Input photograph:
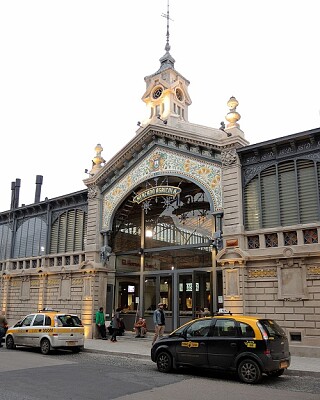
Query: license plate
(71, 343)
(283, 364)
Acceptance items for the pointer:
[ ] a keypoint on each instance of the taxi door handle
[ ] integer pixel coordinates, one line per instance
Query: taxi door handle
(233, 344)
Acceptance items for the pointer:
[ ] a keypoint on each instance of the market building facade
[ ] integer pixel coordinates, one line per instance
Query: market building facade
(188, 215)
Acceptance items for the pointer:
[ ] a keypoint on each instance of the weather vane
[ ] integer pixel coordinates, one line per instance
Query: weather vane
(167, 48)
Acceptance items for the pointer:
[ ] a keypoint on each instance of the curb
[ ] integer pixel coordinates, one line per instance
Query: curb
(290, 372)
(116, 354)
(296, 372)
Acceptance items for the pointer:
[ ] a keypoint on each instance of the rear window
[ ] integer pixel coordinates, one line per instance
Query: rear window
(68, 320)
(272, 328)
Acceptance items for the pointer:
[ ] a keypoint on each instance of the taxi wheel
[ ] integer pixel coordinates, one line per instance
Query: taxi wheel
(249, 371)
(10, 343)
(276, 373)
(164, 362)
(45, 346)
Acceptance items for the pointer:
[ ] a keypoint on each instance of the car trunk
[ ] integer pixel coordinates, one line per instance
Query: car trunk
(277, 341)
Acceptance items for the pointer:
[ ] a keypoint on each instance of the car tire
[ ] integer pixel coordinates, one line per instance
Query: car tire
(45, 346)
(10, 343)
(276, 374)
(164, 362)
(249, 371)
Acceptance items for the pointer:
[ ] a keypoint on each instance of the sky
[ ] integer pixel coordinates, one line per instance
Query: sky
(72, 75)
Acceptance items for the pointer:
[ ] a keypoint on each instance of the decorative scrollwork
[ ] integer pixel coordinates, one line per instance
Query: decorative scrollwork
(92, 192)
(228, 157)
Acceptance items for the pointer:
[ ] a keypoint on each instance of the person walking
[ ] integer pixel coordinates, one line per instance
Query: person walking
(3, 326)
(100, 322)
(159, 320)
(115, 324)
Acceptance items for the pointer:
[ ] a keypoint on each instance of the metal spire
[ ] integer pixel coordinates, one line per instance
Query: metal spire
(167, 15)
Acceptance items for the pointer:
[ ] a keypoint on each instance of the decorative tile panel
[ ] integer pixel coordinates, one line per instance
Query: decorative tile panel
(164, 162)
(262, 273)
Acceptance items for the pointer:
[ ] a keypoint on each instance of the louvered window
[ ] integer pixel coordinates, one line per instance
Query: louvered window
(251, 200)
(288, 194)
(308, 199)
(269, 198)
(68, 232)
(5, 241)
(30, 238)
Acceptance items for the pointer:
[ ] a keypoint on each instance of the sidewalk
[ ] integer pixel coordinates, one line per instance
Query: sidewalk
(129, 346)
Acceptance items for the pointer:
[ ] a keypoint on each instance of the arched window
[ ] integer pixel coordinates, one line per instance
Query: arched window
(30, 239)
(5, 241)
(68, 232)
(283, 195)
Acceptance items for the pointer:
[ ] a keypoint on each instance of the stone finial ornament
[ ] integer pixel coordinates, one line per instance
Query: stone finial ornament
(97, 160)
(233, 116)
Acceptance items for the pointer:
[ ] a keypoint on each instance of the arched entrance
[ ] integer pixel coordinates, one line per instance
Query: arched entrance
(162, 238)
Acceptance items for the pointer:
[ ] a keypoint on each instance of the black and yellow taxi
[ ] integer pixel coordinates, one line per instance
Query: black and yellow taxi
(248, 345)
(47, 329)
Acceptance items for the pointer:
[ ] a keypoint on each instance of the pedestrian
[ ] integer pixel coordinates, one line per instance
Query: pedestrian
(3, 326)
(140, 327)
(116, 324)
(100, 322)
(159, 320)
(206, 312)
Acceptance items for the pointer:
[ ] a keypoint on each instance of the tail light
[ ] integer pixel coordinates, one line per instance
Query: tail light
(263, 332)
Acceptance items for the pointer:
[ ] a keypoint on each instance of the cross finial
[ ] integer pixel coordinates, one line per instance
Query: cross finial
(167, 16)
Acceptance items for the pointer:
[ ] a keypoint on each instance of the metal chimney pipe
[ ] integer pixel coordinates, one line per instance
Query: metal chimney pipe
(17, 192)
(39, 180)
(13, 185)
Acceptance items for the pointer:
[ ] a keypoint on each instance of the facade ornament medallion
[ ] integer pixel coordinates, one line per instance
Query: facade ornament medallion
(92, 192)
(228, 157)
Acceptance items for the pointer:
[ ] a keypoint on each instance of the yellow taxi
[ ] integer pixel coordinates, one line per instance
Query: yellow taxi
(248, 345)
(49, 330)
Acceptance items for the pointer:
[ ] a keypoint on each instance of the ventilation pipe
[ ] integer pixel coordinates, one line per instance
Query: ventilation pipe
(39, 180)
(17, 192)
(13, 185)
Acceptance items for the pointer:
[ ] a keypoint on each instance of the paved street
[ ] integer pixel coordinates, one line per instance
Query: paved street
(25, 374)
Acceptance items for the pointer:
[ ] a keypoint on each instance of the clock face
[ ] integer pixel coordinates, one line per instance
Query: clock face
(179, 94)
(157, 92)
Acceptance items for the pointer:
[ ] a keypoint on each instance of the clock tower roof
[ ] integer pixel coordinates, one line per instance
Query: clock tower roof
(166, 94)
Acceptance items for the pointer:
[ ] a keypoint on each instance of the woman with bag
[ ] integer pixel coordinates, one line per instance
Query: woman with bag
(115, 325)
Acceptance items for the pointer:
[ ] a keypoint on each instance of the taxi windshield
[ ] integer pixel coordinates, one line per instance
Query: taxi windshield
(68, 320)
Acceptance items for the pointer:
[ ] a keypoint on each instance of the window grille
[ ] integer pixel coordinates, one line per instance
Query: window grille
(253, 242)
(271, 240)
(290, 238)
(310, 236)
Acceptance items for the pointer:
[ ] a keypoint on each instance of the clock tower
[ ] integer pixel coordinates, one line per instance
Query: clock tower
(166, 94)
